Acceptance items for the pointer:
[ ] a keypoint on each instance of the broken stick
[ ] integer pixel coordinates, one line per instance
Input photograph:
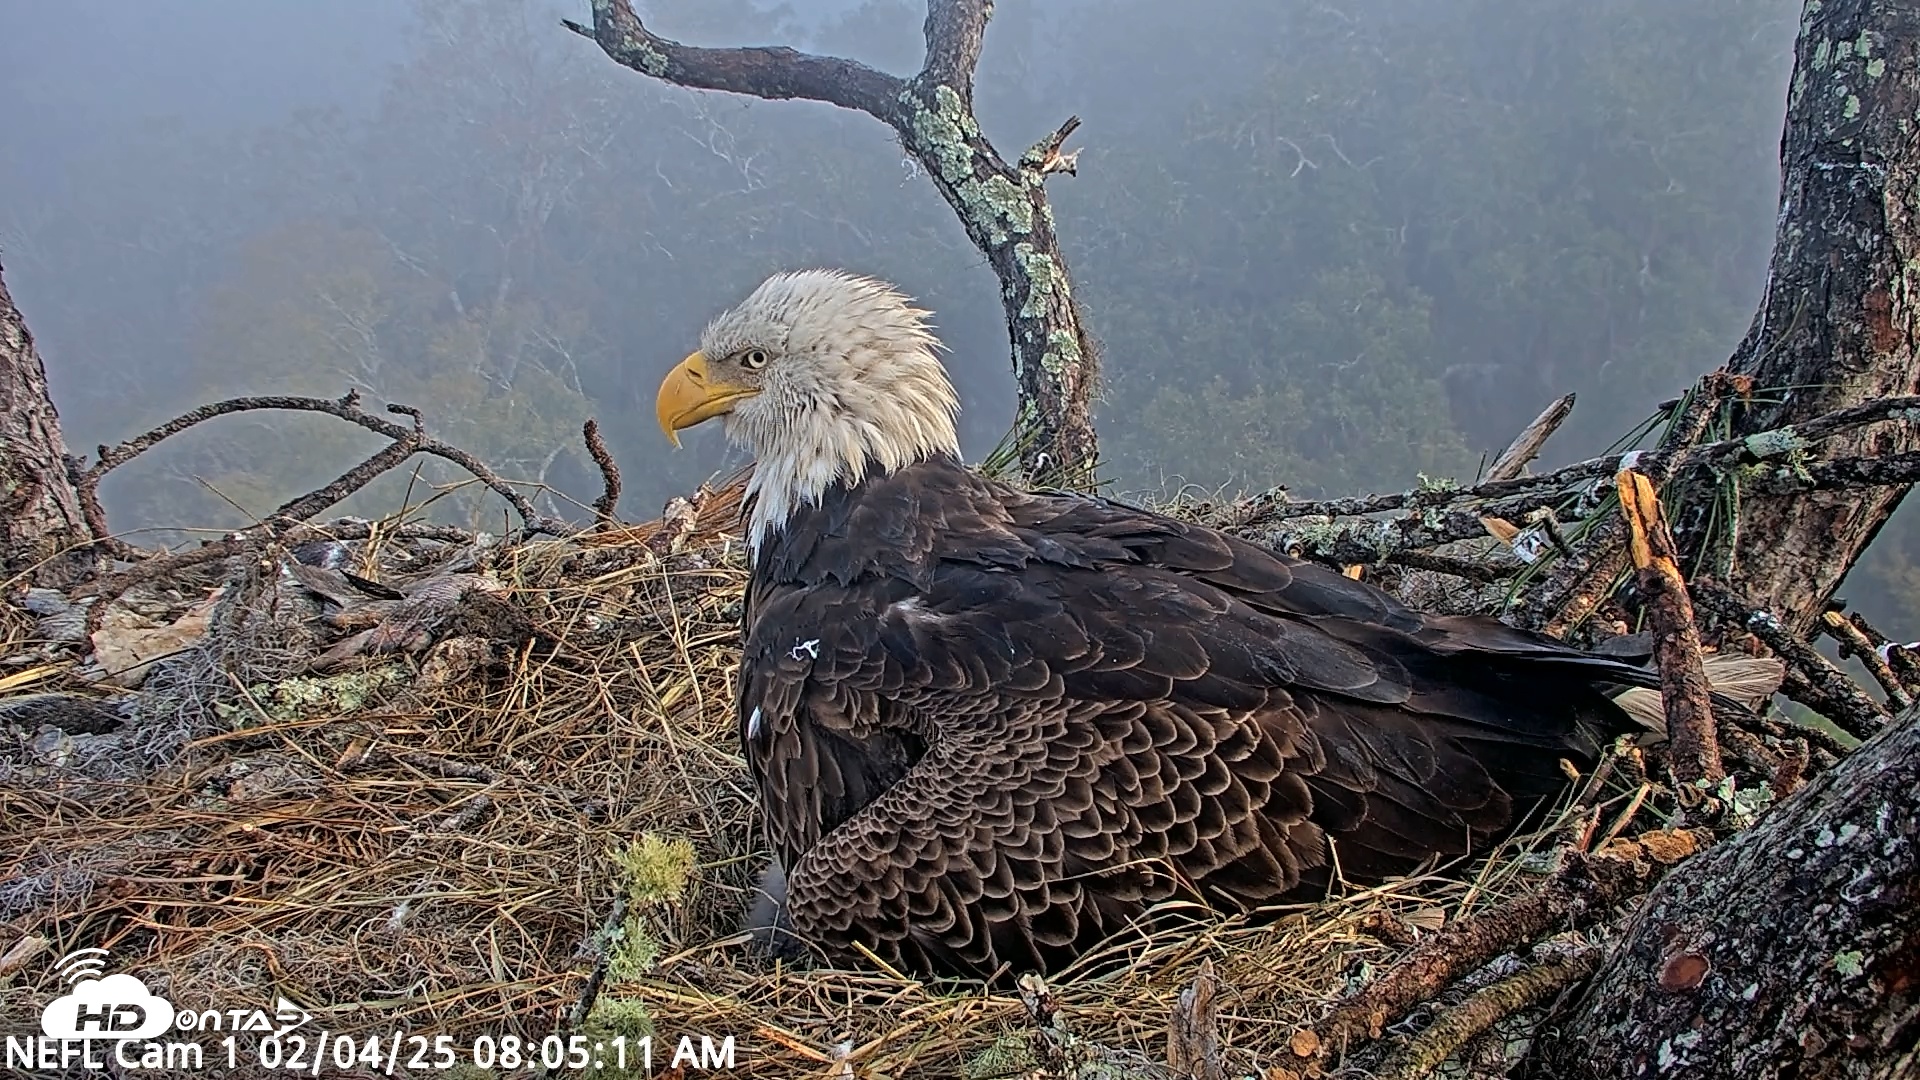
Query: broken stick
(1684, 691)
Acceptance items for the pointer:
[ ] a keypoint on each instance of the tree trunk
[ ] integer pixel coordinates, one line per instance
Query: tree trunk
(40, 520)
(1791, 950)
(1840, 321)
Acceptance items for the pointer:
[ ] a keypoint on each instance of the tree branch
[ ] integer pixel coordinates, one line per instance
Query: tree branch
(346, 408)
(1820, 686)
(955, 30)
(1002, 206)
(609, 473)
(774, 72)
(1585, 889)
(1855, 643)
(1778, 445)
(1417, 1057)
(1526, 445)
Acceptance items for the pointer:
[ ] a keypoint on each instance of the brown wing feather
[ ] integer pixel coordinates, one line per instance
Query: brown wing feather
(995, 728)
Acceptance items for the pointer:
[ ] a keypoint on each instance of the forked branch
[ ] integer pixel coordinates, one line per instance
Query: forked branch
(1002, 205)
(347, 408)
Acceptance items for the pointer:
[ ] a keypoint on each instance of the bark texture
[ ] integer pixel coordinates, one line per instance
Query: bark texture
(40, 520)
(1791, 950)
(1840, 321)
(1002, 204)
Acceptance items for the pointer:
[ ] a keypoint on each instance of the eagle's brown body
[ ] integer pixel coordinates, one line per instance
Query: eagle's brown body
(990, 728)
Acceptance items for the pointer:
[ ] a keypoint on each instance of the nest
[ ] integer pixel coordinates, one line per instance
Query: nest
(554, 831)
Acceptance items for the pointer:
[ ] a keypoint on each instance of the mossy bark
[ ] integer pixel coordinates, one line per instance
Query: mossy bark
(1791, 950)
(1840, 320)
(41, 527)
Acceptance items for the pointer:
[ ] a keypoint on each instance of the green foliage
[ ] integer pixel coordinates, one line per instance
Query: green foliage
(612, 1018)
(655, 870)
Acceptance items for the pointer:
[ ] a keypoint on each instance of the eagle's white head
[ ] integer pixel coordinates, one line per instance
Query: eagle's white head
(822, 375)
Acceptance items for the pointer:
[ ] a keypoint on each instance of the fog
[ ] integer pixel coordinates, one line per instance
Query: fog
(1332, 245)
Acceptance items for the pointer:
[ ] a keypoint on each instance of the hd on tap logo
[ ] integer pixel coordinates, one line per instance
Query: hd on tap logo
(110, 1007)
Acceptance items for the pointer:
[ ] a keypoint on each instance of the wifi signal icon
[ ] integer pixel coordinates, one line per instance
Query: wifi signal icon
(81, 965)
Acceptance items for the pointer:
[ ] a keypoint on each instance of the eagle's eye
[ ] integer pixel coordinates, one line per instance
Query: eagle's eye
(753, 359)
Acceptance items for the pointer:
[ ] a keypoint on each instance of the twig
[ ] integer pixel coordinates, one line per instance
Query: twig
(305, 506)
(1571, 591)
(590, 992)
(1526, 445)
(1694, 751)
(1776, 444)
(609, 472)
(1193, 1031)
(1044, 157)
(1811, 679)
(1584, 889)
(1856, 644)
(1418, 1056)
(1900, 658)
(346, 408)
(447, 768)
(1487, 572)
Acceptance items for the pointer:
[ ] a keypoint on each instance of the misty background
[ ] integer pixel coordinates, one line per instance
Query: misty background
(1327, 244)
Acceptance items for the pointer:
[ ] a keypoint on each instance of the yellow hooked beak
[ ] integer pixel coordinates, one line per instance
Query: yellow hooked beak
(688, 396)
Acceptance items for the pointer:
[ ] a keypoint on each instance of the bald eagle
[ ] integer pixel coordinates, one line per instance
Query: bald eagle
(992, 727)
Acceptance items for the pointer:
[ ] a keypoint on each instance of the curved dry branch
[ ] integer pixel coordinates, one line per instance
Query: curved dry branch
(346, 408)
(603, 506)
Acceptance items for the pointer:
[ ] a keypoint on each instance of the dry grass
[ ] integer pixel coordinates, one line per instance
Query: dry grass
(444, 860)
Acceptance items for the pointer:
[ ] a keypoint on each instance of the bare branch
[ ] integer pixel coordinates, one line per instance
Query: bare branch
(1417, 1057)
(346, 408)
(773, 72)
(609, 472)
(1585, 889)
(352, 480)
(1526, 445)
(1812, 680)
(1002, 206)
(1781, 444)
(1855, 643)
